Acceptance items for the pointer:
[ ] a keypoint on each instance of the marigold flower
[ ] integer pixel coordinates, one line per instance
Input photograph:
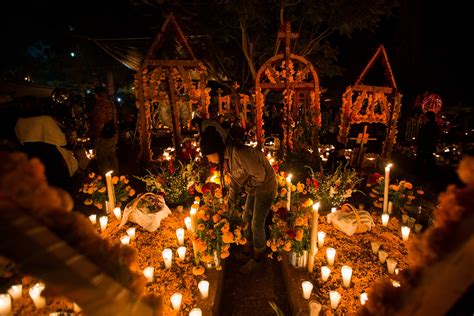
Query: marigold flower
(408, 186)
(198, 270)
(299, 187)
(225, 254)
(122, 178)
(201, 227)
(131, 192)
(225, 228)
(308, 203)
(242, 241)
(299, 221)
(227, 237)
(283, 192)
(420, 192)
(216, 218)
(102, 190)
(88, 202)
(99, 206)
(299, 235)
(115, 180)
(293, 188)
(287, 246)
(207, 257)
(91, 175)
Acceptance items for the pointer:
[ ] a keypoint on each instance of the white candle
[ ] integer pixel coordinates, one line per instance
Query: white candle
(313, 237)
(385, 218)
(387, 184)
(330, 255)
(325, 272)
(375, 247)
(405, 219)
(314, 308)
(167, 257)
(363, 298)
(187, 222)
(103, 222)
(321, 236)
(195, 312)
(405, 232)
(307, 289)
(391, 264)
(288, 196)
(346, 272)
(180, 235)
(148, 272)
(125, 240)
(118, 213)
(204, 288)
(192, 214)
(390, 206)
(418, 228)
(110, 190)
(333, 209)
(335, 298)
(76, 308)
(93, 218)
(176, 299)
(5, 304)
(35, 294)
(16, 291)
(181, 253)
(382, 256)
(131, 233)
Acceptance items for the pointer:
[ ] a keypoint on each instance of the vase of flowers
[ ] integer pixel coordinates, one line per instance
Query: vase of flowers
(298, 259)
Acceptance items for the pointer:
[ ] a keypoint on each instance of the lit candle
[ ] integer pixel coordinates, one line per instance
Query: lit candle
(167, 257)
(307, 288)
(125, 240)
(131, 233)
(346, 272)
(16, 291)
(335, 298)
(76, 308)
(333, 209)
(204, 288)
(375, 247)
(103, 222)
(148, 272)
(382, 256)
(418, 228)
(321, 236)
(118, 213)
(387, 183)
(110, 190)
(192, 214)
(176, 299)
(405, 232)
(93, 218)
(187, 222)
(313, 236)
(385, 218)
(314, 308)
(181, 253)
(325, 272)
(363, 298)
(390, 206)
(180, 235)
(5, 304)
(288, 198)
(405, 219)
(35, 294)
(391, 264)
(195, 312)
(330, 255)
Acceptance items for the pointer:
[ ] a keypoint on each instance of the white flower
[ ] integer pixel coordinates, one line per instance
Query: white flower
(332, 192)
(347, 194)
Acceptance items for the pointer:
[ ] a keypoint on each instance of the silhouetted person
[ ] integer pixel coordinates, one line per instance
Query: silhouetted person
(336, 158)
(428, 137)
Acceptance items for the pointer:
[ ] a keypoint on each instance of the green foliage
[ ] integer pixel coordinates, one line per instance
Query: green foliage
(275, 307)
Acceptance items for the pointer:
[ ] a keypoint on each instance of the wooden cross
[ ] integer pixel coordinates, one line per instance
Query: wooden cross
(362, 139)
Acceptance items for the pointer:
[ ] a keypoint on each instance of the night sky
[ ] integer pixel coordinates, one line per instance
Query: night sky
(427, 42)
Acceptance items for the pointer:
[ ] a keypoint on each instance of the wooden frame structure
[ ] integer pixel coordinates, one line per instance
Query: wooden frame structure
(178, 76)
(293, 75)
(372, 104)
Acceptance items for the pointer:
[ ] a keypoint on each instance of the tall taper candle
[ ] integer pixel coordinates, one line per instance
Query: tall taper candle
(313, 237)
(387, 184)
(110, 190)
(288, 181)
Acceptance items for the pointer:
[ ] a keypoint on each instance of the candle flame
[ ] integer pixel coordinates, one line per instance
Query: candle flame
(316, 206)
(109, 173)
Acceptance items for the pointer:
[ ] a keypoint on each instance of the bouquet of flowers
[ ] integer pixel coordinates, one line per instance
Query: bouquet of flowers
(332, 190)
(290, 229)
(95, 189)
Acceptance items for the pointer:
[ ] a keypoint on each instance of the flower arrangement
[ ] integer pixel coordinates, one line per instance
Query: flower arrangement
(290, 229)
(95, 189)
(332, 190)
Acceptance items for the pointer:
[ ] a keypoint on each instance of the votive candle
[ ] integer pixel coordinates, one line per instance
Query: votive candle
(385, 218)
(325, 272)
(375, 247)
(181, 253)
(187, 222)
(35, 294)
(195, 312)
(335, 298)
(148, 272)
(321, 236)
(363, 298)
(131, 232)
(176, 299)
(93, 218)
(204, 288)
(307, 289)
(346, 272)
(418, 228)
(382, 256)
(333, 209)
(405, 232)
(391, 264)
(118, 213)
(330, 255)
(180, 235)
(103, 222)
(167, 257)
(5, 304)
(125, 240)
(16, 291)
(314, 308)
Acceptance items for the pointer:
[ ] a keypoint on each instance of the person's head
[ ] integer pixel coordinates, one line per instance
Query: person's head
(100, 91)
(340, 148)
(220, 118)
(196, 123)
(212, 145)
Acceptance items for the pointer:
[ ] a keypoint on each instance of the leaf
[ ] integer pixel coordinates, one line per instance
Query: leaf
(277, 310)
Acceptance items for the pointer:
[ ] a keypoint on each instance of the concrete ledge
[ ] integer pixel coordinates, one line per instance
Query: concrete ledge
(293, 278)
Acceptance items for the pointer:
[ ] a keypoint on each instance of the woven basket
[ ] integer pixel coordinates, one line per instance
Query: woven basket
(344, 220)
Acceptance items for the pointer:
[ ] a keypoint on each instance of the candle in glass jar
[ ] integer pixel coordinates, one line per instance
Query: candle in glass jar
(131, 232)
(181, 253)
(375, 247)
(307, 289)
(314, 308)
(325, 272)
(391, 264)
(125, 240)
(321, 236)
(176, 299)
(335, 298)
(35, 294)
(16, 291)
(5, 304)
(118, 213)
(167, 257)
(187, 222)
(385, 218)
(93, 218)
(330, 255)
(204, 288)
(180, 235)
(195, 312)
(418, 228)
(382, 256)
(405, 232)
(148, 272)
(346, 272)
(103, 222)
(363, 298)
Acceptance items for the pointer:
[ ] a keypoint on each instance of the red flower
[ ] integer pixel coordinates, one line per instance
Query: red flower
(212, 168)
(291, 233)
(316, 184)
(282, 212)
(374, 177)
(308, 181)
(210, 187)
